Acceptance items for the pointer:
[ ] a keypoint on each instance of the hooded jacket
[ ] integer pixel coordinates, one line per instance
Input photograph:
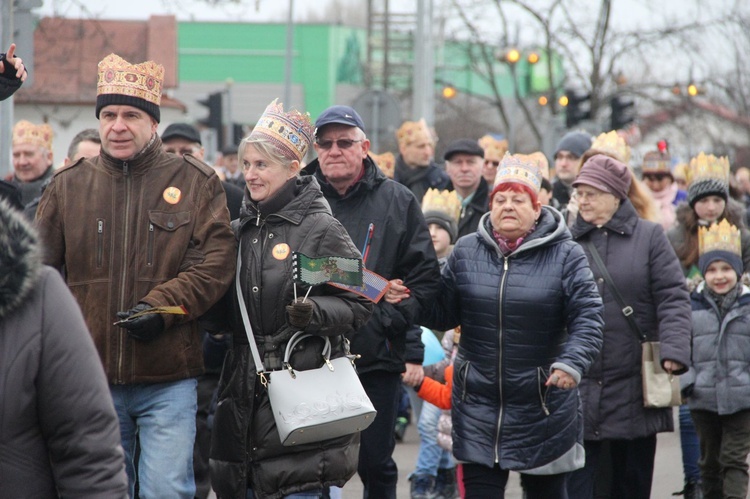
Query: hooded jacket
(521, 316)
(246, 448)
(59, 432)
(153, 229)
(647, 274)
(400, 248)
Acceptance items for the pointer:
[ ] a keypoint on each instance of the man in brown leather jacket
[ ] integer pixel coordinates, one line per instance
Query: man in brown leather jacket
(135, 229)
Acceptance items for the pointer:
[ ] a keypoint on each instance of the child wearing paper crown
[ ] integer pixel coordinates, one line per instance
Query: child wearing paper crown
(720, 389)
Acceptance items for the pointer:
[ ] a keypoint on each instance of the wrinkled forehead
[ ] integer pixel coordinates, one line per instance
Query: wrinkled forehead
(339, 131)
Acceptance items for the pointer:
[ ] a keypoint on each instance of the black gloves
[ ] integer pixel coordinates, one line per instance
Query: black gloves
(144, 328)
(299, 313)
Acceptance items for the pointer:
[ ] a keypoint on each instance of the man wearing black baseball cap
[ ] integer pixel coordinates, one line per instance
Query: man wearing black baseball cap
(464, 159)
(385, 221)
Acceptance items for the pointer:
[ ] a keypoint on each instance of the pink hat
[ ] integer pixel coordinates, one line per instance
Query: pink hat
(606, 174)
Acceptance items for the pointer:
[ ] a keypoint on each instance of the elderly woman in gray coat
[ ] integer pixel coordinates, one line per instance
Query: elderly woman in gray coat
(647, 274)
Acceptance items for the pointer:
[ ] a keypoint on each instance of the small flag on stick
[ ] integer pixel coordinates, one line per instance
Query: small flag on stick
(338, 269)
(373, 287)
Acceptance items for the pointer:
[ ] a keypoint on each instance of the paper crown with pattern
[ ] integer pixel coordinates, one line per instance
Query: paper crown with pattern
(386, 162)
(520, 169)
(721, 236)
(708, 167)
(540, 160)
(122, 83)
(680, 171)
(411, 131)
(657, 162)
(444, 201)
(290, 132)
(613, 144)
(25, 132)
(494, 149)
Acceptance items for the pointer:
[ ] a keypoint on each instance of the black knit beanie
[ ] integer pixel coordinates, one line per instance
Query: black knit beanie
(708, 187)
(444, 221)
(103, 100)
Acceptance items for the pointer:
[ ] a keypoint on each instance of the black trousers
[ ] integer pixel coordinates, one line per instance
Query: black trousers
(377, 469)
(481, 482)
(632, 465)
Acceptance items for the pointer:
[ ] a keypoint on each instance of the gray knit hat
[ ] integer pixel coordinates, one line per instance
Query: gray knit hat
(575, 142)
(443, 220)
(707, 187)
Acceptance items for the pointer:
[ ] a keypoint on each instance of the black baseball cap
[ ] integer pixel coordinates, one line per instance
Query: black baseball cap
(342, 115)
(465, 146)
(183, 131)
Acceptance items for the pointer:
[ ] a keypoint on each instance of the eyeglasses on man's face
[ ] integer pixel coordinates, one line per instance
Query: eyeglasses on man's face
(340, 143)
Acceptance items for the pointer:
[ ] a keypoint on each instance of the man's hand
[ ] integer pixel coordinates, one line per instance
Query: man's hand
(144, 328)
(10, 63)
(300, 313)
(414, 374)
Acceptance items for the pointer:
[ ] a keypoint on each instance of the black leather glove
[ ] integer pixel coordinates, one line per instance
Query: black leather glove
(144, 328)
(299, 313)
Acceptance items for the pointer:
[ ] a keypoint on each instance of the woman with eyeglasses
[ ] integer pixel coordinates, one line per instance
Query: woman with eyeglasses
(646, 273)
(282, 213)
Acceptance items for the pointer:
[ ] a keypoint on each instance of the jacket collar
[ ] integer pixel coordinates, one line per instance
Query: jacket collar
(20, 262)
(140, 163)
(622, 222)
(301, 196)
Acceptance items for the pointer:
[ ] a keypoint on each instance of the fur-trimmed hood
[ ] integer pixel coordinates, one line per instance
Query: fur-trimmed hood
(19, 258)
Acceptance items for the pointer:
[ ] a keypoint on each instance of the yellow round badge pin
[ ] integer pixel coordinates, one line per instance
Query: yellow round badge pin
(172, 195)
(280, 251)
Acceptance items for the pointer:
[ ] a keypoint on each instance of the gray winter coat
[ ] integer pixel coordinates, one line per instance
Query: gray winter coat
(648, 275)
(59, 434)
(721, 355)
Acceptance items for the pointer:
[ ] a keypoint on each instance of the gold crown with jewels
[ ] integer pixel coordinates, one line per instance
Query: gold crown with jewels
(721, 236)
(707, 167)
(613, 144)
(493, 149)
(25, 132)
(290, 132)
(118, 76)
(411, 131)
(386, 162)
(520, 169)
(443, 201)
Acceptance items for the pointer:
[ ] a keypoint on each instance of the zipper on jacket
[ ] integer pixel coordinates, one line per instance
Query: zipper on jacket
(150, 261)
(541, 376)
(99, 241)
(500, 356)
(124, 269)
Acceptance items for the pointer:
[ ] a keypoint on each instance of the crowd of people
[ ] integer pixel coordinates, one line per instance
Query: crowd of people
(143, 287)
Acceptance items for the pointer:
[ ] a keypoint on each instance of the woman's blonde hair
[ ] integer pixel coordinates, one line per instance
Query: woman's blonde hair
(266, 149)
(638, 194)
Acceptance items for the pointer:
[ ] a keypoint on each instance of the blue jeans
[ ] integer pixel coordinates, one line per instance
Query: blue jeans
(691, 450)
(299, 495)
(161, 417)
(431, 456)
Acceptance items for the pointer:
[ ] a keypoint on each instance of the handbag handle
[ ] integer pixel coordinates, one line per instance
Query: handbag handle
(259, 369)
(296, 338)
(627, 310)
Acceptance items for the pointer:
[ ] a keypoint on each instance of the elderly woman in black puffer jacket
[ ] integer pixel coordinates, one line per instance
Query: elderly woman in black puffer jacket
(647, 274)
(531, 320)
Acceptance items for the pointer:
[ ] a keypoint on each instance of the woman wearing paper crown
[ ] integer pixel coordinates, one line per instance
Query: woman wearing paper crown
(531, 320)
(645, 272)
(282, 214)
(719, 384)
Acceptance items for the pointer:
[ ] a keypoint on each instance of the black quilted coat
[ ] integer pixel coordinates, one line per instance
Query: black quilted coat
(520, 316)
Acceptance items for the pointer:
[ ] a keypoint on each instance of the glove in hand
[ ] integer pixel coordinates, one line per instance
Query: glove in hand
(144, 328)
(299, 313)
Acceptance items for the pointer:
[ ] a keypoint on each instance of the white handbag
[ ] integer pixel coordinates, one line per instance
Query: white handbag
(316, 404)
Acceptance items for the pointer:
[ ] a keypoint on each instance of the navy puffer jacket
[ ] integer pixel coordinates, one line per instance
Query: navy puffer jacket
(520, 317)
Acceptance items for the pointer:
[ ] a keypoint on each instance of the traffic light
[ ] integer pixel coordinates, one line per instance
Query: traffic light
(577, 108)
(215, 118)
(623, 112)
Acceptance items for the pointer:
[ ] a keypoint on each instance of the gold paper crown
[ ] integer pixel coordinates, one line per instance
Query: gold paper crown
(680, 171)
(386, 162)
(493, 149)
(412, 131)
(707, 167)
(540, 160)
(656, 162)
(290, 132)
(25, 132)
(519, 169)
(613, 144)
(118, 76)
(722, 236)
(442, 201)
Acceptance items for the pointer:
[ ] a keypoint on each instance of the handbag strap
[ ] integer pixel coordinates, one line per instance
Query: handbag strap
(259, 369)
(627, 310)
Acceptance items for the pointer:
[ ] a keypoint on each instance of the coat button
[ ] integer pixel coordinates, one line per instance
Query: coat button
(599, 382)
(270, 236)
(600, 280)
(170, 225)
(255, 289)
(255, 241)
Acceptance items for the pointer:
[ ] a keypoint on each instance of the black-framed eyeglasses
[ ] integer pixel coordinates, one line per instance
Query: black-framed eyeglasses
(340, 143)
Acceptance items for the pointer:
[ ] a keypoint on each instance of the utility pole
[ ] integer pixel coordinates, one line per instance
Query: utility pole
(289, 60)
(6, 106)
(423, 84)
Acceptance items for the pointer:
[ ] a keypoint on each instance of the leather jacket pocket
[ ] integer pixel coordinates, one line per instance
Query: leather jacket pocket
(160, 222)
